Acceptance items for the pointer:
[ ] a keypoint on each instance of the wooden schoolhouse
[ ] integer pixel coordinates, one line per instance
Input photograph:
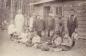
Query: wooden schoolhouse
(63, 7)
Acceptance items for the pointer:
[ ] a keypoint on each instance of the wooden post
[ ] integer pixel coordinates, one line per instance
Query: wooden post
(12, 9)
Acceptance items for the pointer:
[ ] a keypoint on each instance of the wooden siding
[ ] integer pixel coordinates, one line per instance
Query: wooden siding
(81, 16)
(66, 6)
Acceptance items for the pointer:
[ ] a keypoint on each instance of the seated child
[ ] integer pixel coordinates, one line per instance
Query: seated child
(33, 39)
(57, 39)
(67, 43)
(75, 35)
(23, 37)
(56, 42)
(29, 41)
(11, 29)
(36, 40)
(44, 37)
(50, 37)
(45, 47)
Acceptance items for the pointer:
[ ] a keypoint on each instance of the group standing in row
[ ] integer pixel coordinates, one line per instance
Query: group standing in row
(49, 31)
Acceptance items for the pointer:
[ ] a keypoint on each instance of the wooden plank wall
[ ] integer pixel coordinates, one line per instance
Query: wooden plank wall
(81, 15)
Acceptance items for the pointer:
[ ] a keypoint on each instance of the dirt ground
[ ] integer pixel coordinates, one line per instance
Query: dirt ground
(10, 48)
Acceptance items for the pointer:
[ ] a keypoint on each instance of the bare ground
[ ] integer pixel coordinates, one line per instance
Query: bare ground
(10, 48)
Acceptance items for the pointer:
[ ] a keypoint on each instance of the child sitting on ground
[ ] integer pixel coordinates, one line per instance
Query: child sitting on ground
(45, 47)
(50, 37)
(11, 29)
(44, 36)
(67, 43)
(23, 37)
(29, 37)
(57, 39)
(56, 42)
(44, 42)
(36, 40)
(75, 35)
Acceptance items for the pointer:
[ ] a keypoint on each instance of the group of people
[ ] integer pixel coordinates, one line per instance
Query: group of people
(46, 34)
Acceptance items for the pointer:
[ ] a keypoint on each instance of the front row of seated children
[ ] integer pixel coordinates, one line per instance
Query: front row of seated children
(63, 43)
(58, 43)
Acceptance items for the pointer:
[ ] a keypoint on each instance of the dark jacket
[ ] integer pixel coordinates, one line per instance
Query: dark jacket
(72, 24)
(39, 25)
(59, 26)
(49, 23)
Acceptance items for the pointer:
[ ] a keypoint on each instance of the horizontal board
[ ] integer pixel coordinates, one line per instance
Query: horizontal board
(82, 37)
(82, 33)
(81, 18)
(82, 15)
(82, 30)
(82, 26)
(81, 23)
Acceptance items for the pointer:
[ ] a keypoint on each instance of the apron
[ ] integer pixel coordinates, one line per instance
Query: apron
(19, 22)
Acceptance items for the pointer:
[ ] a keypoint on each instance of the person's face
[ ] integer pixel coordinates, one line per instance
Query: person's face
(19, 11)
(51, 33)
(66, 36)
(38, 17)
(72, 16)
(42, 33)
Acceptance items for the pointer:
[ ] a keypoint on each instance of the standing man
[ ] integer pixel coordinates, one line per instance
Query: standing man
(72, 23)
(50, 25)
(59, 25)
(31, 22)
(19, 21)
(39, 25)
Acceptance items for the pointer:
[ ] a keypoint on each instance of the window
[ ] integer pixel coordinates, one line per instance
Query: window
(47, 8)
(8, 3)
(46, 11)
(58, 10)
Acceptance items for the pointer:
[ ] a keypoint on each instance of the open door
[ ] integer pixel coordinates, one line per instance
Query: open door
(46, 11)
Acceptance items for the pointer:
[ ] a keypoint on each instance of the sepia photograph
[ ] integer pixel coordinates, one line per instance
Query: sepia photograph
(42, 27)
